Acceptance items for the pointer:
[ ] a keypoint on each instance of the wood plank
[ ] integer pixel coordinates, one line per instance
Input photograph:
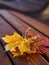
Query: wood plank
(47, 52)
(33, 31)
(15, 22)
(3, 29)
(22, 27)
(43, 28)
(9, 30)
(38, 60)
(46, 56)
(3, 57)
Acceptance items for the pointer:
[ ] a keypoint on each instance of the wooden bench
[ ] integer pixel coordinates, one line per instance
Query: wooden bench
(11, 21)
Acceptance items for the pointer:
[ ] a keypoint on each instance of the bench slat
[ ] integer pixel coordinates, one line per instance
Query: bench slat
(17, 24)
(17, 15)
(9, 30)
(43, 28)
(3, 57)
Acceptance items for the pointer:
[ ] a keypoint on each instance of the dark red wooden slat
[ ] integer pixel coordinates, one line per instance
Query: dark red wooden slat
(9, 30)
(34, 23)
(22, 27)
(3, 57)
(5, 28)
(47, 52)
(17, 15)
(43, 28)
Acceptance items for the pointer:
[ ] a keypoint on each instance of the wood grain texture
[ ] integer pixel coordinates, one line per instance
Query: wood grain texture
(22, 20)
(4, 28)
(47, 53)
(3, 57)
(18, 24)
(16, 60)
(43, 28)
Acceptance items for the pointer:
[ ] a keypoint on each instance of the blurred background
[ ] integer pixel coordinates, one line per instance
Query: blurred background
(38, 9)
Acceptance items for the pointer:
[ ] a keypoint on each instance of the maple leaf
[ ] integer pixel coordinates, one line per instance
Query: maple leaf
(18, 45)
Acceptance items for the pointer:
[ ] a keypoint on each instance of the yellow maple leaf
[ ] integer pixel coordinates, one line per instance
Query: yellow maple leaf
(12, 45)
(24, 46)
(22, 43)
(11, 38)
